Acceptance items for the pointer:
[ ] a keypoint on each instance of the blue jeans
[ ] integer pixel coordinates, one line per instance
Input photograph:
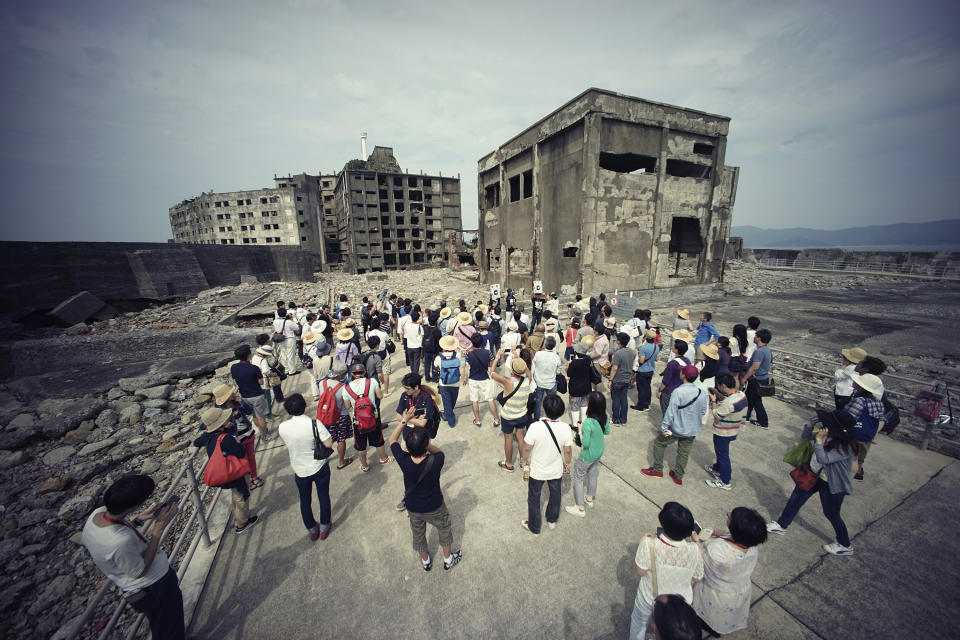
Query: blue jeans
(321, 479)
(831, 503)
(534, 487)
(163, 606)
(644, 379)
(721, 446)
(618, 398)
(428, 372)
(540, 392)
(449, 396)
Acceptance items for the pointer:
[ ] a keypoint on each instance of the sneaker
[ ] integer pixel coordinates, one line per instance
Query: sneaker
(575, 511)
(526, 525)
(428, 564)
(252, 520)
(588, 502)
(650, 471)
(552, 525)
(838, 549)
(709, 469)
(455, 559)
(717, 483)
(314, 534)
(677, 479)
(402, 505)
(774, 527)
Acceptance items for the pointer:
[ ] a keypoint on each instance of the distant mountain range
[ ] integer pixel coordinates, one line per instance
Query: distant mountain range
(942, 235)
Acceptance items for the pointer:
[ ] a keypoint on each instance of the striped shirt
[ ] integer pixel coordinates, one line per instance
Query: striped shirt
(729, 414)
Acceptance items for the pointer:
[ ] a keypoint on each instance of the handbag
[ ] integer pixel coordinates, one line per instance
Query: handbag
(391, 347)
(561, 383)
(891, 415)
(222, 468)
(804, 477)
(799, 454)
(278, 335)
(767, 390)
(320, 450)
(273, 379)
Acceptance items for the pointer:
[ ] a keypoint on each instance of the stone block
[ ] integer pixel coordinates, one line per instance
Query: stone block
(59, 416)
(22, 421)
(248, 279)
(93, 447)
(59, 455)
(11, 459)
(77, 308)
(154, 393)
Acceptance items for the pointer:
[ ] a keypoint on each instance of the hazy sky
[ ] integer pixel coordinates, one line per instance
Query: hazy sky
(844, 113)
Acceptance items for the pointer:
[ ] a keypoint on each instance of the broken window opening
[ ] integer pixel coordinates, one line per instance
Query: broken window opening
(570, 252)
(412, 182)
(404, 258)
(515, 188)
(398, 207)
(702, 149)
(628, 163)
(684, 169)
(390, 259)
(491, 195)
(685, 239)
(527, 183)
(416, 194)
(398, 219)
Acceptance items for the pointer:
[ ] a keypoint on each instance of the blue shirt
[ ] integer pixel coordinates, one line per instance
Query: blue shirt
(764, 357)
(648, 351)
(686, 422)
(705, 332)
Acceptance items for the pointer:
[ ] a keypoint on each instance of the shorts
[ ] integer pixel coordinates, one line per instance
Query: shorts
(387, 369)
(699, 355)
(373, 438)
(259, 405)
(862, 449)
(577, 403)
(508, 425)
(480, 390)
(342, 430)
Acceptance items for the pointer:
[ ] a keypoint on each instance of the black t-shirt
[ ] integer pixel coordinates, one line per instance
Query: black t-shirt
(427, 496)
(709, 370)
(423, 403)
(247, 377)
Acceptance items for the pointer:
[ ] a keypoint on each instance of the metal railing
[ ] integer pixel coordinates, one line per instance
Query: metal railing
(198, 515)
(910, 269)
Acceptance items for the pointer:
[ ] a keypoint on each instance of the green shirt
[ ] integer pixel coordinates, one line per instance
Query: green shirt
(591, 435)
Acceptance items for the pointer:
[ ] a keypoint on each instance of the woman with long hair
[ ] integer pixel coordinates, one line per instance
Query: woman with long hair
(587, 465)
(738, 351)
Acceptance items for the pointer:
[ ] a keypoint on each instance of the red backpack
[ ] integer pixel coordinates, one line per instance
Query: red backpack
(364, 410)
(327, 411)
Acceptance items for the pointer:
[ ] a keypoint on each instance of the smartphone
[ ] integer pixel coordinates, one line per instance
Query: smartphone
(696, 527)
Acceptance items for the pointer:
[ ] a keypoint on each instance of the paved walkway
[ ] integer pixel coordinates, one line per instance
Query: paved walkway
(578, 581)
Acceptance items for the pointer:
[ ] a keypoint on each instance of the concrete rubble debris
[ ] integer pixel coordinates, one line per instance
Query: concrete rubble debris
(80, 307)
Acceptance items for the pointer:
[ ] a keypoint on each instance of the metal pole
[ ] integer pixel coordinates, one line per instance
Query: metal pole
(197, 501)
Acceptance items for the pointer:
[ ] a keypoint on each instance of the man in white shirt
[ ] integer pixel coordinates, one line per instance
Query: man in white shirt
(413, 339)
(298, 434)
(288, 348)
(546, 365)
(552, 305)
(753, 323)
(546, 462)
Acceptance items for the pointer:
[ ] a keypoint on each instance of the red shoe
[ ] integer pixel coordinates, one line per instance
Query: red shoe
(650, 471)
(323, 534)
(676, 478)
(314, 536)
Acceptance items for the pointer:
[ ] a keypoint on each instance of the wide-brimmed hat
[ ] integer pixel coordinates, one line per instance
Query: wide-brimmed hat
(550, 324)
(349, 322)
(319, 326)
(682, 334)
(345, 334)
(483, 309)
(649, 333)
(711, 351)
(464, 317)
(446, 312)
(448, 343)
(265, 350)
(854, 354)
(581, 348)
(839, 424)
(214, 418)
(588, 340)
(223, 392)
(610, 323)
(513, 326)
(869, 383)
(309, 337)
(518, 366)
(684, 313)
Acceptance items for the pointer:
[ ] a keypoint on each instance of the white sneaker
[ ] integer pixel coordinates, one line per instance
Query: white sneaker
(838, 549)
(709, 469)
(774, 527)
(575, 511)
(552, 525)
(719, 484)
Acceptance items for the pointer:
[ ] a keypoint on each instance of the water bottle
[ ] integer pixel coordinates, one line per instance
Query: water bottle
(526, 473)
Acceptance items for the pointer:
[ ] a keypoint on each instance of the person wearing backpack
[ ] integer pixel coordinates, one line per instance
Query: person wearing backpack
(448, 370)
(431, 347)
(362, 395)
(331, 411)
(868, 411)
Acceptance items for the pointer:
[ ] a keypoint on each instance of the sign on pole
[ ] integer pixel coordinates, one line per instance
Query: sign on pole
(613, 301)
(537, 286)
(495, 291)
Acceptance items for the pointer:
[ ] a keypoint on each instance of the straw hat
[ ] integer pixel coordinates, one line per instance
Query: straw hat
(445, 312)
(684, 313)
(265, 350)
(319, 326)
(513, 326)
(711, 351)
(309, 337)
(869, 383)
(610, 323)
(464, 317)
(349, 322)
(854, 355)
(649, 333)
(482, 324)
(345, 334)
(550, 324)
(682, 334)
(484, 309)
(518, 366)
(448, 343)
(588, 340)
(223, 393)
(215, 418)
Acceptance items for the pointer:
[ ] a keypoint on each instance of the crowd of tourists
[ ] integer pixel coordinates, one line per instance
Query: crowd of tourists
(554, 384)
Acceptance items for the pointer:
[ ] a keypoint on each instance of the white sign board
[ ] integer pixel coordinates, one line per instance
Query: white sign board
(495, 291)
(613, 301)
(537, 286)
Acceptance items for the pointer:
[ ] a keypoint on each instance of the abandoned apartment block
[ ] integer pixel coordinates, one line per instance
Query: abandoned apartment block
(390, 220)
(608, 192)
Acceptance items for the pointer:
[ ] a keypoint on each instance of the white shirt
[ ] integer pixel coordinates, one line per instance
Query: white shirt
(402, 322)
(259, 361)
(844, 383)
(525, 319)
(553, 306)
(546, 463)
(413, 332)
(678, 564)
(287, 326)
(382, 347)
(297, 434)
(546, 366)
(751, 345)
(118, 552)
(357, 387)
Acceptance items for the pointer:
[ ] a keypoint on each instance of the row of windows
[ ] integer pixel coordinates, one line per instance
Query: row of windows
(240, 203)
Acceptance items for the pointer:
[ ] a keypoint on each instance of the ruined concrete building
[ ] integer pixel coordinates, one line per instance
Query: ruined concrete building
(388, 219)
(608, 192)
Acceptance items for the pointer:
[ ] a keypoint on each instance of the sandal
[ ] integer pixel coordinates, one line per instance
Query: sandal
(346, 462)
(364, 468)
(477, 423)
(496, 424)
(506, 467)
(387, 461)
(256, 483)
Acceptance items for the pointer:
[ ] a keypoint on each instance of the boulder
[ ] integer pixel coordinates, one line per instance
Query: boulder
(178, 396)
(75, 508)
(79, 329)
(55, 591)
(150, 466)
(32, 517)
(115, 393)
(203, 398)
(149, 413)
(82, 433)
(135, 441)
(154, 393)
(22, 421)
(58, 416)
(130, 415)
(130, 385)
(155, 404)
(107, 419)
(53, 485)
(10, 459)
(78, 308)
(60, 454)
(93, 447)
(16, 439)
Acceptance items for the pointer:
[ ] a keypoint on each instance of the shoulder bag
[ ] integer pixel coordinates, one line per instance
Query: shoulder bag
(552, 437)
(695, 398)
(427, 464)
(222, 468)
(320, 450)
(804, 477)
(516, 387)
(767, 390)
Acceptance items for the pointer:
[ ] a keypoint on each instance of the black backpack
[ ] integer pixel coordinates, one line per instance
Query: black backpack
(495, 330)
(431, 343)
(361, 358)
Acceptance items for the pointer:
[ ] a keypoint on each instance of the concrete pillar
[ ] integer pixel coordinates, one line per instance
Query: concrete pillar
(589, 257)
(658, 221)
(537, 263)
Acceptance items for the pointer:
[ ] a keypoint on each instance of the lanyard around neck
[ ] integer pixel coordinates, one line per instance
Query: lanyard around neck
(125, 524)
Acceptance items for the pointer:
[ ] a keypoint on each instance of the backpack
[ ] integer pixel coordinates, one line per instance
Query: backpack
(431, 344)
(327, 411)
(495, 330)
(364, 410)
(361, 358)
(449, 370)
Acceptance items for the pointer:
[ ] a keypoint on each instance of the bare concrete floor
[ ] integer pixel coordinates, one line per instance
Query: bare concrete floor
(578, 581)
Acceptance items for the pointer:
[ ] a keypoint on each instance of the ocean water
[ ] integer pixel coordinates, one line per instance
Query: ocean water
(902, 248)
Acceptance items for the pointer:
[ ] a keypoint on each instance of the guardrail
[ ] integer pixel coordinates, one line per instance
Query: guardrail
(909, 269)
(197, 516)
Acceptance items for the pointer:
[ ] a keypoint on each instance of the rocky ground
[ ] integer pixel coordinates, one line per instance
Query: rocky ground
(79, 407)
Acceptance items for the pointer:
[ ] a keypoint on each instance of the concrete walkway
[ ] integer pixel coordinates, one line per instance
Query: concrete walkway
(578, 581)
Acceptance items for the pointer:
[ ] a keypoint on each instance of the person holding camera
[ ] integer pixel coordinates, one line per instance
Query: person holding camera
(135, 562)
(299, 433)
(590, 440)
(421, 465)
